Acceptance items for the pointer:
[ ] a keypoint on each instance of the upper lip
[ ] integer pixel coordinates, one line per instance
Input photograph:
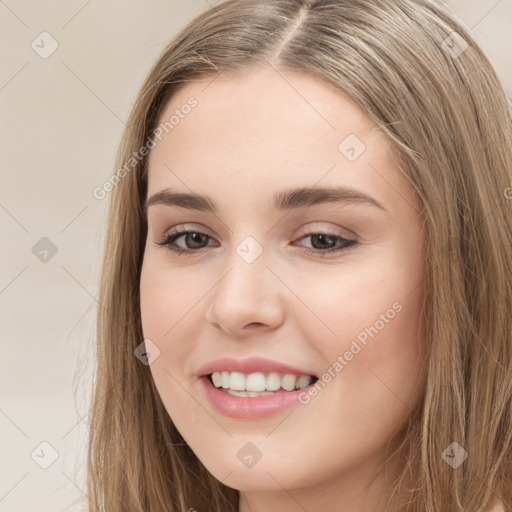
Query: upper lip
(249, 365)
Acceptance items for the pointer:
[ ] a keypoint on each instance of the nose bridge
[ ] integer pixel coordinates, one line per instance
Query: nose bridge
(247, 293)
(248, 274)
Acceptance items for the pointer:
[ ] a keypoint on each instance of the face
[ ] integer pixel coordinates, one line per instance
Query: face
(329, 285)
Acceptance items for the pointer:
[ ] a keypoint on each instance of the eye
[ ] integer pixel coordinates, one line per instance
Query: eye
(195, 241)
(194, 238)
(328, 242)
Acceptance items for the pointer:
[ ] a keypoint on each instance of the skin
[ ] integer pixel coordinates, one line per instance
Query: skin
(250, 137)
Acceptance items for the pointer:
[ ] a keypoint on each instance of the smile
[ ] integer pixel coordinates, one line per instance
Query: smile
(259, 383)
(252, 405)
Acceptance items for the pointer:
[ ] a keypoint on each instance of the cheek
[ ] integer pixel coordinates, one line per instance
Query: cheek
(375, 351)
(168, 299)
(162, 304)
(171, 308)
(378, 301)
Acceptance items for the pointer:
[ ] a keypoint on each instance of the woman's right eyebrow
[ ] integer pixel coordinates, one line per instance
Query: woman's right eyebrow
(286, 200)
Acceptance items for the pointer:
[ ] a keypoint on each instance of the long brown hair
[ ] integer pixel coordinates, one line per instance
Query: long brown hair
(433, 93)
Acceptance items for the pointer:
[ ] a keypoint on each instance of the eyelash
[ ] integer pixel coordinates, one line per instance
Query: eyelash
(171, 237)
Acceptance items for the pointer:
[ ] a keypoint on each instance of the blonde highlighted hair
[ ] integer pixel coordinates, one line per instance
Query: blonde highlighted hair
(449, 124)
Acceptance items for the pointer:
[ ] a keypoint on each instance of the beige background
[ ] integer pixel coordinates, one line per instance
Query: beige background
(61, 120)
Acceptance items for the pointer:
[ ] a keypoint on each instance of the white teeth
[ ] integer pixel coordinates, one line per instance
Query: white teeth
(217, 379)
(237, 381)
(249, 393)
(288, 382)
(257, 384)
(302, 382)
(273, 381)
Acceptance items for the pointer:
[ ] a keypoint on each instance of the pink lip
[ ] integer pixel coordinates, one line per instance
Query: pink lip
(250, 407)
(248, 365)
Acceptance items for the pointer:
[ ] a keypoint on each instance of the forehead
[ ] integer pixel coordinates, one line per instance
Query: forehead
(277, 128)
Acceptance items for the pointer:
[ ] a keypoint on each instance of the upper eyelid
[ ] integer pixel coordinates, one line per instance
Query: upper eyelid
(184, 228)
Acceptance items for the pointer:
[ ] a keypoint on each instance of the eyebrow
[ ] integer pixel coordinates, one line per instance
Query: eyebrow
(287, 200)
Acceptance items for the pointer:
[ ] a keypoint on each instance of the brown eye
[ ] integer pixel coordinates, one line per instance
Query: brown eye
(194, 241)
(328, 242)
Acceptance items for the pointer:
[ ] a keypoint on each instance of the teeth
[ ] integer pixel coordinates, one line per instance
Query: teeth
(217, 379)
(273, 381)
(288, 382)
(249, 393)
(237, 381)
(258, 384)
(302, 382)
(255, 382)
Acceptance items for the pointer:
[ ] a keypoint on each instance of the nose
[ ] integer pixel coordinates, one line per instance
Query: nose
(246, 297)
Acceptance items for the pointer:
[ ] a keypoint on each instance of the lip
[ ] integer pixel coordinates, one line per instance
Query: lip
(250, 407)
(249, 365)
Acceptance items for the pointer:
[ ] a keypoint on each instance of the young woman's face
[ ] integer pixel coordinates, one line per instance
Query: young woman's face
(259, 281)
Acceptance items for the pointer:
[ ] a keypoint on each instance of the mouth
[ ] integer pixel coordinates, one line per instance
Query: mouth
(254, 396)
(258, 384)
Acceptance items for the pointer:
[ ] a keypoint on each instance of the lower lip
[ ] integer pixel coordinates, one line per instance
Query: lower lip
(250, 407)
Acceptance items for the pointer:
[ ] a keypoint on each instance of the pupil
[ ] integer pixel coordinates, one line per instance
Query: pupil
(196, 238)
(322, 239)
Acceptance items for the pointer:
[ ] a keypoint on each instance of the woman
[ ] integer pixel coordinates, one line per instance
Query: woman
(307, 277)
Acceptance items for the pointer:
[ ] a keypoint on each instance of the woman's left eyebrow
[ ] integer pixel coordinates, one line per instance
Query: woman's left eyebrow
(287, 200)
